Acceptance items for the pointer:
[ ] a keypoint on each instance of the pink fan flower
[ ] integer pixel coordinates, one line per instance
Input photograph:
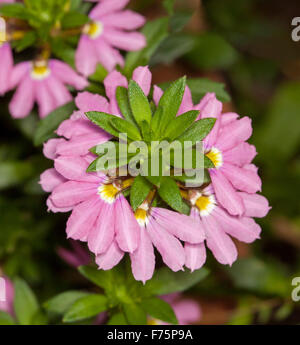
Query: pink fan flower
(42, 82)
(111, 28)
(163, 229)
(219, 225)
(102, 217)
(7, 304)
(227, 148)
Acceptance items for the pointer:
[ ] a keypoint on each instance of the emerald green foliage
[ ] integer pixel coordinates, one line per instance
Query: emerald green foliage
(146, 123)
(125, 300)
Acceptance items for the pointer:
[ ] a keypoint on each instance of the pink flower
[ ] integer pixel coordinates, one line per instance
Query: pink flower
(7, 305)
(6, 66)
(219, 225)
(111, 28)
(42, 82)
(163, 229)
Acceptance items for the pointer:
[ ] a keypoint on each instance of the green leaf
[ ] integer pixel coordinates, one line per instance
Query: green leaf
(180, 124)
(172, 48)
(110, 162)
(25, 303)
(201, 86)
(169, 103)
(103, 120)
(99, 75)
(169, 6)
(6, 319)
(49, 124)
(198, 131)
(146, 131)
(211, 51)
(139, 191)
(86, 307)
(189, 160)
(26, 41)
(123, 103)
(139, 103)
(15, 173)
(282, 121)
(165, 281)
(194, 180)
(266, 277)
(62, 302)
(124, 126)
(74, 19)
(159, 309)
(117, 319)
(154, 31)
(170, 193)
(134, 314)
(13, 11)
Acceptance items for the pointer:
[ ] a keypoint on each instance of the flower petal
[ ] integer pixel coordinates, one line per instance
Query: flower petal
(255, 205)
(234, 133)
(111, 258)
(143, 77)
(129, 41)
(244, 229)
(240, 154)
(102, 235)
(143, 258)
(127, 20)
(72, 193)
(195, 255)
(183, 227)
(82, 219)
(50, 179)
(23, 99)
(218, 242)
(126, 226)
(242, 179)
(226, 194)
(85, 57)
(169, 247)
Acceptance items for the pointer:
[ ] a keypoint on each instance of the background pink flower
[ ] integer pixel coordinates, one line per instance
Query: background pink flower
(111, 28)
(6, 66)
(7, 305)
(42, 82)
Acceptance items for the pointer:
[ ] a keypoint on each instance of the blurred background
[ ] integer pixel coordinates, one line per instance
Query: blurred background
(247, 46)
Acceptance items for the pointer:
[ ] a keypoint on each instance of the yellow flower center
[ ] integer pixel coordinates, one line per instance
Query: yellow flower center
(108, 192)
(216, 157)
(205, 204)
(153, 322)
(40, 70)
(93, 30)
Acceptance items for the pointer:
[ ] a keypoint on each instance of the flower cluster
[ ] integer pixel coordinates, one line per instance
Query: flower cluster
(101, 214)
(46, 81)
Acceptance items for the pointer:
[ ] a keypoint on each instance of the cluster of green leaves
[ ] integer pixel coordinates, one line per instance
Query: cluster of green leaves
(43, 18)
(145, 122)
(27, 310)
(125, 300)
